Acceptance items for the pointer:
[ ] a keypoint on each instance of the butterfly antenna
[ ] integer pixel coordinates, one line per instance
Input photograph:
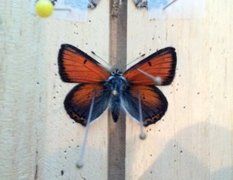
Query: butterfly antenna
(81, 155)
(142, 55)
(142, 135)
(106, 63)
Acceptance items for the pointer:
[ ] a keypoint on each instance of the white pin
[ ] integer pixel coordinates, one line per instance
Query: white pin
(80, 164)
(142, 134)
(157, 79)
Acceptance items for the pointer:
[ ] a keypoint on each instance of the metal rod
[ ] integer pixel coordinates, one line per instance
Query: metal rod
(169, 4)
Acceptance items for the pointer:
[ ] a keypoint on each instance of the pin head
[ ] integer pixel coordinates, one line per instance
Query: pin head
(44, 8)
(79, 165)
(114, 92)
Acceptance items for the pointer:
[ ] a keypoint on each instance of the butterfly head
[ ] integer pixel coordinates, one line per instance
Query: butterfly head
(116, 72)
(116, 82)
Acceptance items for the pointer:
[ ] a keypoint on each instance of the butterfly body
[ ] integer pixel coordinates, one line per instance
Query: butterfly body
(116, 90)
(116, 84)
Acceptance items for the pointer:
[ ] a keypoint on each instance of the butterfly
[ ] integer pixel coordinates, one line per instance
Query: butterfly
(120, 91)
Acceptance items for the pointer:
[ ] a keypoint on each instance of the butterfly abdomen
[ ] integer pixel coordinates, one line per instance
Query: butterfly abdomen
(115, 107)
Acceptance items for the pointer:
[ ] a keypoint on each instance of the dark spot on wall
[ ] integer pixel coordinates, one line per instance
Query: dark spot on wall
(76, 25)
(181, 151)
(198, 93)
(62, 172)
(85, 61)
(149, 63)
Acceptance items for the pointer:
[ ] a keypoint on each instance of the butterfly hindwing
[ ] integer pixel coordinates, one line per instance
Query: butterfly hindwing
(160, 65)
(153, 103)
(79, 99)
(78, 67)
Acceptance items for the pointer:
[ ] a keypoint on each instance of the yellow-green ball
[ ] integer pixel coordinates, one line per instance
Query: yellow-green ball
(44, 8)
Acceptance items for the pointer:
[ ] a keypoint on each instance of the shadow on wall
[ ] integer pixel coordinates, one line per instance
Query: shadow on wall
(202, 152)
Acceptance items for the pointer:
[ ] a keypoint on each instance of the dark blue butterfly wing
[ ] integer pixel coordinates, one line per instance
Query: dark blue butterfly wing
(79, 99)
(153, 103)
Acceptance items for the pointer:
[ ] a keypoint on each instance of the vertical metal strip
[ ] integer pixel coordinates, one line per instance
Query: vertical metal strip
(118, 52)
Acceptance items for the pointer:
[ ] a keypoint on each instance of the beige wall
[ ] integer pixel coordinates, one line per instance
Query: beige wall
(194, 140)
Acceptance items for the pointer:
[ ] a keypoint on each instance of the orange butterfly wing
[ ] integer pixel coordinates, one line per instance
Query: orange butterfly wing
(78, 67)
(79, 99)
(156, 69)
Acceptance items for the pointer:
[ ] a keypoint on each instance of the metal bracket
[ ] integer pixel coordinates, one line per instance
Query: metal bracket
(141, 3)
(91, 3)
(144, 4)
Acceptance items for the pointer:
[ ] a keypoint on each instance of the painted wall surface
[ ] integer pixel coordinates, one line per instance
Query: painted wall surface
(37, 138)
(194, 140)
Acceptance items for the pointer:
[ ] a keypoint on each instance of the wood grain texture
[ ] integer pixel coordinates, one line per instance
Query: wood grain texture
(21, 91)
(194, 139)
(38, 140)
(118, 53)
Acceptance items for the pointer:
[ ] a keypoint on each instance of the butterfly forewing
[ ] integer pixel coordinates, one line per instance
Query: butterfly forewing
(160, 65)
(78, 67)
